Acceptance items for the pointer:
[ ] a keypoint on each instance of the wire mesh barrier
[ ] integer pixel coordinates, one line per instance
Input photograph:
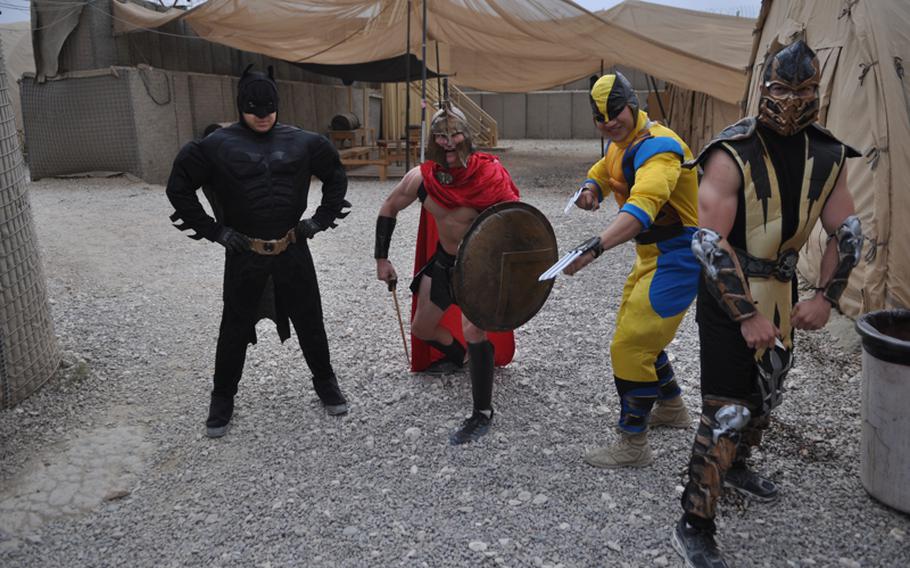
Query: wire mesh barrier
(28, 348)
(80, 125)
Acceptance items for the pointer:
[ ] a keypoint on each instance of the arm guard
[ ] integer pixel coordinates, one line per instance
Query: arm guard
(723, 274)
(384, 228)
(849, 246)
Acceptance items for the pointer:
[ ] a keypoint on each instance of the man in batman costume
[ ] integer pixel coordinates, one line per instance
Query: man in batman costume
(767, 180)
(259, 171)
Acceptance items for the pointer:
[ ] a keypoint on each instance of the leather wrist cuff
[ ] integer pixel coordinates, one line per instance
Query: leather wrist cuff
(384, 228)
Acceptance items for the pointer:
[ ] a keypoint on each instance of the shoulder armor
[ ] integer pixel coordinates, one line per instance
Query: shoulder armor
(849, 151)
(740, 130)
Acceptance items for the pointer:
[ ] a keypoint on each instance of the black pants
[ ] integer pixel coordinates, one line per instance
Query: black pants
(296, 297)
(728, 367)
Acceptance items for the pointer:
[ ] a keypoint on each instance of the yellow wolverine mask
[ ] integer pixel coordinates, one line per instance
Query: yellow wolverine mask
(610, 94)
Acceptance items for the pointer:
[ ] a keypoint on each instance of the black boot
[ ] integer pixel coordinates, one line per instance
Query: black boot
(221, 408)
(742, 479)
(697, 545)
(478, 424)
(453, 362)
(472, 428)
(330, 394)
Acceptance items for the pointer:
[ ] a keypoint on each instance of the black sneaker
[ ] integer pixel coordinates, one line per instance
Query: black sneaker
(697, 546)
(472, 428)
(443, 367)
(750, 484)
(221, 408)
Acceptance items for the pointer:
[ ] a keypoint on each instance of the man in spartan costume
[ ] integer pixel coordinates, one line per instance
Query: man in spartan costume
(454, 185)
(642, 168)
(258, 173)
(767, 181)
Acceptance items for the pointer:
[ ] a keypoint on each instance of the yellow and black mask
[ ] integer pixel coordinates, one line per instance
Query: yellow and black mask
(789, 90)
(610, 95)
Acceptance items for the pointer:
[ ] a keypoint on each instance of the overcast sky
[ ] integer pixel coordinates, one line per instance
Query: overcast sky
(17, 10)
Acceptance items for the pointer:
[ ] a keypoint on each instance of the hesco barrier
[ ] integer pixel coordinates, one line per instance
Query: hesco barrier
(135, 119)
(28, 348)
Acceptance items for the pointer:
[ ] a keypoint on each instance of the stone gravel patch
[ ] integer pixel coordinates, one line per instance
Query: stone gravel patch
(136, 306)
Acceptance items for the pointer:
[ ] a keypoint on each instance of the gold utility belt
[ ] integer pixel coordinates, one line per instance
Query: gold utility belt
(782, 268)
(275, 246)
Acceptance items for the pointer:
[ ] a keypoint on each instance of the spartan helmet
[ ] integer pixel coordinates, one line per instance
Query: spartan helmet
(789, 90)
(610, 95)
(447, 122)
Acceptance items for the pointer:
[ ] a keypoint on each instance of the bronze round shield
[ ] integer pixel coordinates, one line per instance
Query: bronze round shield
(495, 279)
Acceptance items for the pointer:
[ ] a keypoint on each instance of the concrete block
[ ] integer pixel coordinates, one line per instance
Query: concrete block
(207, 101)
(537, 116)
(183, 111)
(492, 104)
(582, 117)
(156, 128)
(559, 115)
(514, 115)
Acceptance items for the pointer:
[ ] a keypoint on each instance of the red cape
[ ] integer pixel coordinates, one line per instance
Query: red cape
(482, 184)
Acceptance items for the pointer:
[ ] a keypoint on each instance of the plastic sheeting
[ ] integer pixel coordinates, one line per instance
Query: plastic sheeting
(865, 101)
(495, 45)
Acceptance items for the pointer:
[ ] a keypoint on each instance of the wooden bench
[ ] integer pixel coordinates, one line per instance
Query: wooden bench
(360, 156)
(381, 163)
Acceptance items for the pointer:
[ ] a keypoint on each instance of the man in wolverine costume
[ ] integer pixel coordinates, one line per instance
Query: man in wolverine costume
(259, 173)
(454, 185)
(642, 167)
(767, 181)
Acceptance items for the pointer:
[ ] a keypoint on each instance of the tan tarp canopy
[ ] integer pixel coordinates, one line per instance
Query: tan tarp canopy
(696, 116)
(496, 45)
(865, 100)
(17, 55)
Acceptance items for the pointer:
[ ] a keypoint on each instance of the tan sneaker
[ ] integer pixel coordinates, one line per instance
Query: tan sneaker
(631, 450)
(671, 413)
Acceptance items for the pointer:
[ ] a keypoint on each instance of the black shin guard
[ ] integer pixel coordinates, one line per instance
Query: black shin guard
(481, 365)
(666, 378)
(453, 352)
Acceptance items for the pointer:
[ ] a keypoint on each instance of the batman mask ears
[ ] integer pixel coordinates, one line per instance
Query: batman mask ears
(257, 92)
(271, 72)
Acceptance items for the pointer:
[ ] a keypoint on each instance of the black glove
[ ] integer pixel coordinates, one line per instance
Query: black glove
(233, 241)
(307, 228)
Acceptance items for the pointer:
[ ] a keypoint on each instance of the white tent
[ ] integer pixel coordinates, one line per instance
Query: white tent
(865, 100)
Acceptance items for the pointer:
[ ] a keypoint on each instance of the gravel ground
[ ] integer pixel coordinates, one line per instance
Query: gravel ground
(137, 307)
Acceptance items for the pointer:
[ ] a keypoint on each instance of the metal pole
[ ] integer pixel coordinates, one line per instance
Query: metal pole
(438, 79)
(407, 96)
(423, 86)
(660, 103)
(592, 86)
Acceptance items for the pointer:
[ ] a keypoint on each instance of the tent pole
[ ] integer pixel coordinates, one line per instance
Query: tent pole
(438, 79)
(660, 103)
(407, 96)
(592, 86)
(423, 86)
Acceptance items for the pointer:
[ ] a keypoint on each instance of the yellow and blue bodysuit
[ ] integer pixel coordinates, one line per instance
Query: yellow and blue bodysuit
(644, 173)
